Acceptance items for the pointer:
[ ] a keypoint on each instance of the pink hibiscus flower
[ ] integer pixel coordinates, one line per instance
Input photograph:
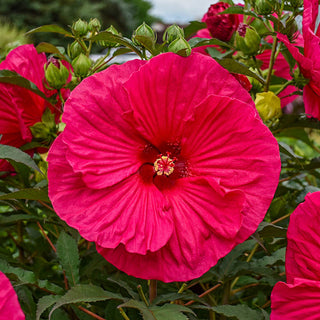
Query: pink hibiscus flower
(9, 304)
(20, 108)
(309, 62)
(299, 298)
(165, 164)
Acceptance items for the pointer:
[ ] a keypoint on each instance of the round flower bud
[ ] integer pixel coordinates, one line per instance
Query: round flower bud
(268, 105)
(221, 26)
(94, 25)
(172, 33)
(263, 7)
(80, 28)
(110, 44)
(180, 46)
(74, 49)
(56, 73)
(81, 65)
(247, 39)
(145, 31)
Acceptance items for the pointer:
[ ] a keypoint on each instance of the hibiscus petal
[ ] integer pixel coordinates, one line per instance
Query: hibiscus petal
(311, 101)
(9, 304)
(303, 250)
(162, 100)
(131, 212)
(107, 150)
(242, 155)
(206, 220)
(296, 301)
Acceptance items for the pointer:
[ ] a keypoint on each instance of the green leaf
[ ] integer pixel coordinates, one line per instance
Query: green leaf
(141, 306)
(270, 230)
(125, 286)
(8, 76)
(199, 42)
(14, 154)
(193, 27)
(285, 149)
(84, 293)
(171, 312)
(240, 10)
(108, 36)
(276, 258)
(44, 303)
(51, 28)
(148, 43)
(14, 218)
(236, 67)
(67, 252)
(240, 312)
(185, 296)
(50, 48)
(30, 194)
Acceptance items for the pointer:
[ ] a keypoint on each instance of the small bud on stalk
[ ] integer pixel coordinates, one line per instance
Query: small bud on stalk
(144, 31)
(74, 49)
(268, 105)
(81, 65)
(180, 46)
(263, 7)
(80, 28)
(94, 25)
(247, 39)
(56, 73)
(110, 44)
(172, 33)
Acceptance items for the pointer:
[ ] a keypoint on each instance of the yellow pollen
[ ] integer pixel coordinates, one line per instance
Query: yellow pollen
(164, 165)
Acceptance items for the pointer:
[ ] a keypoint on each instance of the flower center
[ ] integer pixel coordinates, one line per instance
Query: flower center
(164, 165)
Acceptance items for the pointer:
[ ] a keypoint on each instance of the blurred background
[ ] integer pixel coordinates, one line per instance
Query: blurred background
(18, 16)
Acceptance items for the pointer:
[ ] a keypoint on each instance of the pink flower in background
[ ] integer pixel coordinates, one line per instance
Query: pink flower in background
(20, 108)
(165, 164)
(9, 305)
(309, 62)
(221, 26)
(299, 298)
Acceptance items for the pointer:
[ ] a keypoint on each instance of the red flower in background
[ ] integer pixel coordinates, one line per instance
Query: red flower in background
(309, 62)
(9, 305)
(165, 164)
(299, 298)
(20, 108)
(221, 26)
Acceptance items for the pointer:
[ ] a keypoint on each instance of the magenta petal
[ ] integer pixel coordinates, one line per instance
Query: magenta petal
(161, 100)
(311, 101)
(242, 155)
(303, 250)
(9, 305)
(206, 220)
(300, 300)
(130, 212)
(108, 148)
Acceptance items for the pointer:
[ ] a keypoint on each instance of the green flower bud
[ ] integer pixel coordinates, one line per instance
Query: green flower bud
(56, 73)
(94, 25)
(110, 44)
(180, 46)
(247, 39)
(299, 80)
(290, 29)
(295, 3)
(172, 33)
(80, 28)
(268, 105)
(263, 7)
(74, 49)
(46, 130)
(81, 65)
(143, 31)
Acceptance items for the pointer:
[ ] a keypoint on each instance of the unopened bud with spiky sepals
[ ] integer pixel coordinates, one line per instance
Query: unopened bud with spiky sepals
(180, 46)
(80, 28)
(172, 33)
(268, 105)
(290, 29)
(81, 65)
(74, 49)
(107, 43)
(247, 39)
(263, 7)
(296, 3)
(56, 73)
(94, 25)
(144, 31)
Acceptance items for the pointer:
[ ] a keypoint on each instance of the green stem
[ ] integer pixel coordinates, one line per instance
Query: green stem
(283, 87)
(123, 314)
(271, 63)
(142, 296)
